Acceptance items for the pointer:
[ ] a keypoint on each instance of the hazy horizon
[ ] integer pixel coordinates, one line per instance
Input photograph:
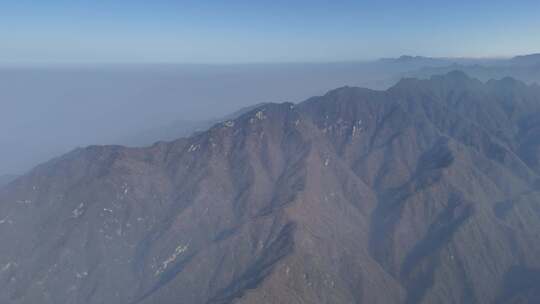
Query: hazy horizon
(240, 31)
(157, 64)
(70, 70)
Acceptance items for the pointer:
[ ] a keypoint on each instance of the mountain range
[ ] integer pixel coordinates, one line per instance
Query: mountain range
(428, 192)
(524, 60)
(525, 68)
(51, 110)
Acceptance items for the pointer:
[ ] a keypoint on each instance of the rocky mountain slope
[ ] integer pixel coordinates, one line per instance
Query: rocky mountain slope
(428, 192)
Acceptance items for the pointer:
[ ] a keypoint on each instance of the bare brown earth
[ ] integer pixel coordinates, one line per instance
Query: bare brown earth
(426, 193)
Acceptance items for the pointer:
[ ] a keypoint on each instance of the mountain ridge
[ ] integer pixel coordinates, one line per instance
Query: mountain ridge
(426, 192)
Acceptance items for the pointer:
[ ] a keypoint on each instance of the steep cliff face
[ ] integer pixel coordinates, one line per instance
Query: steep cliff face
(426, 193)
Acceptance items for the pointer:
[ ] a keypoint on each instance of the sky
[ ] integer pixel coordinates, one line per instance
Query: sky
(247, 31)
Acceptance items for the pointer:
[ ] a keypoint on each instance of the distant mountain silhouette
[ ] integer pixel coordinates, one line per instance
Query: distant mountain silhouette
(419, 61)
(428, 192)
(529, 74)
(525, 68)
(532, 59)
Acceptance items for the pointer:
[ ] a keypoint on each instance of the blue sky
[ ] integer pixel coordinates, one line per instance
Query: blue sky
(232, 31)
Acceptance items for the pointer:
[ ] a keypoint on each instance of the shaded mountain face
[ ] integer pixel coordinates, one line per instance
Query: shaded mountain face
(428, 192)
